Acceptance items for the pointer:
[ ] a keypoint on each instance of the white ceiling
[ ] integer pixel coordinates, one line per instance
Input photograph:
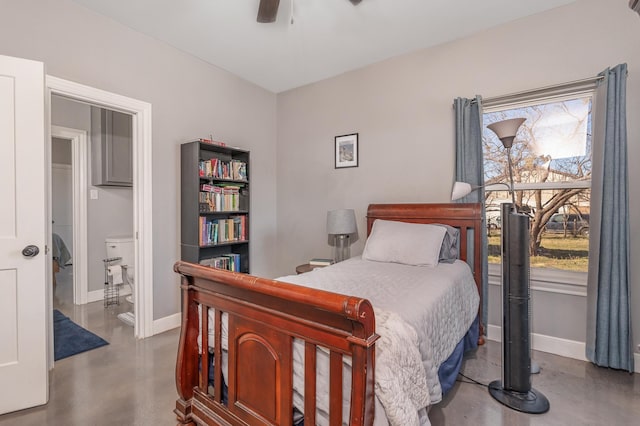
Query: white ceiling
(326, 38)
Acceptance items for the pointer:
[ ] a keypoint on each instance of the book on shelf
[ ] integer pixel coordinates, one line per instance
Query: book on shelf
(215, 168)
(321, 262)
(216, 198)
(230, 262)
(218, 231)
(212, 142)
(239, 170)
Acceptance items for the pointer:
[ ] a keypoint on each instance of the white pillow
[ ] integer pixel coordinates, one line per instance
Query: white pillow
(408, 243)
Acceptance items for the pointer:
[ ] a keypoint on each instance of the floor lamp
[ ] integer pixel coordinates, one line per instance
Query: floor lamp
(514, 389)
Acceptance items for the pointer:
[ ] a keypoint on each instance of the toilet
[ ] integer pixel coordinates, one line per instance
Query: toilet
(122, 247)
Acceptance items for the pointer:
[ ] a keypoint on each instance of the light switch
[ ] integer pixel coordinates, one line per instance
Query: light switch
(93, 194)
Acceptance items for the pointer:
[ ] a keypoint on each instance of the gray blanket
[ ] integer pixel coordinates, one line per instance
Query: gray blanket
(60, 252)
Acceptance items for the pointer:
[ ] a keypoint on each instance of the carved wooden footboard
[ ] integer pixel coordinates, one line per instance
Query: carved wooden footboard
(263, 318)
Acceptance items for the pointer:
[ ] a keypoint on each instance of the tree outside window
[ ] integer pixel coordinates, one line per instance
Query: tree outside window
(551, 158)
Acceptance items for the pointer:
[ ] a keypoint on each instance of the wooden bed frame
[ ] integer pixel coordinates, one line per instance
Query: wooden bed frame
(263, 318)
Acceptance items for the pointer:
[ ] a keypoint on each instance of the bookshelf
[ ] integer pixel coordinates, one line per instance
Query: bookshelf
(215, 205)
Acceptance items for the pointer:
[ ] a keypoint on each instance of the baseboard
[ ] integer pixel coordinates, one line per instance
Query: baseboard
(540, 342)
(167, 323)
(97, 295)
(554, 345)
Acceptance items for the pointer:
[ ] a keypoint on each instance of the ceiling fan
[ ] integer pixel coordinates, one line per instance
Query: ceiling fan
(268, 10)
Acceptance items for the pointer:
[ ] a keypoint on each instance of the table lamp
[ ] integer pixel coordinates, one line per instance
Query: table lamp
(341, 224)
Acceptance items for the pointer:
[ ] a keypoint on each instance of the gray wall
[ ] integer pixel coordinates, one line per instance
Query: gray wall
(189, 97)
(60, 151)
(111, 214)
(61, 191)
(402, 109)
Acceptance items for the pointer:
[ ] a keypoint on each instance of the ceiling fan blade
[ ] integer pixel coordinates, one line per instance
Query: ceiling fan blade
(268, 10)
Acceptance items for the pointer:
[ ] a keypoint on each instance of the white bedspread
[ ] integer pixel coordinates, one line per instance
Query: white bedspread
(421, 314)
(401, 382)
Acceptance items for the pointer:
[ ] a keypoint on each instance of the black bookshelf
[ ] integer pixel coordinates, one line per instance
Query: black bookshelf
(206, 215)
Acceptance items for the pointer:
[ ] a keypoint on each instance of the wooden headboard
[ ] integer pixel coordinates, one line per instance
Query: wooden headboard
(467, 217)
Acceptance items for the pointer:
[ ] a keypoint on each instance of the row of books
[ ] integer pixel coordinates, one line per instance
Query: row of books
(217, 198)
(218, 231)
(230, 262)
(218, 169)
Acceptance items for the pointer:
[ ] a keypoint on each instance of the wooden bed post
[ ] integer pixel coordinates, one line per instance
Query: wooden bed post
(363, 382)
(187, 363)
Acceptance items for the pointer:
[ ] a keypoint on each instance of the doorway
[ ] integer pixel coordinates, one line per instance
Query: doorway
(62, 217)
(74, 154)
(108, 209)
(142, 220)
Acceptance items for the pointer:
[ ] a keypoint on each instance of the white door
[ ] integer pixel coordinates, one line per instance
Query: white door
(23, 322)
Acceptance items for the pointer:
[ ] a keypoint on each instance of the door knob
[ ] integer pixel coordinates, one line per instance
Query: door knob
(30, 251)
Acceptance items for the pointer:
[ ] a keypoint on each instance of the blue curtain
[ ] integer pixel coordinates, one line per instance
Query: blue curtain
(470, 169)
(609, 337)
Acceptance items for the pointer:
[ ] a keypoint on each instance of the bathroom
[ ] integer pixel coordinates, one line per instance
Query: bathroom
(109, 204)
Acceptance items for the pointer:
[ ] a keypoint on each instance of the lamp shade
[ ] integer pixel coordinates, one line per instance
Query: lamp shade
(506, 130)
(341, 222)
(460, 189)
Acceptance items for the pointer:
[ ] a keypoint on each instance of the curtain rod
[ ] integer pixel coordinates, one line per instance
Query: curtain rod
(585, 83)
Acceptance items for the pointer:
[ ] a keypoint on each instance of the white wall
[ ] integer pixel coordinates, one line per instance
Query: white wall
(189, 98)
(402, 109)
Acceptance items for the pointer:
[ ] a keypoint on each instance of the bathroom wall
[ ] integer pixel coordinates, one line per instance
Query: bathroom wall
(60, 151)
(111, 213)
(61, 191)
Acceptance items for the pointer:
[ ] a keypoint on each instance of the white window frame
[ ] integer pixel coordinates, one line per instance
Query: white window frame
(545, 279)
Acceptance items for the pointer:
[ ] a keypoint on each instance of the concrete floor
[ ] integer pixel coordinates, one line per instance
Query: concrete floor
(128, 382)
(579, 393)
(131, 382)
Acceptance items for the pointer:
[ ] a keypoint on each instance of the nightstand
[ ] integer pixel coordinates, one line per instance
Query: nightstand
(301, 269)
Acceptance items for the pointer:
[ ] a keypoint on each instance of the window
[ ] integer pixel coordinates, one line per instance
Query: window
(551, 158)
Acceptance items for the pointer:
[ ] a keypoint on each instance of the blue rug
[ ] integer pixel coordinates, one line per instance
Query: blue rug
(71, 339)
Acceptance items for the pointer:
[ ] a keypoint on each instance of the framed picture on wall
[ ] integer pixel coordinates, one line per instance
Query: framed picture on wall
(346, 151)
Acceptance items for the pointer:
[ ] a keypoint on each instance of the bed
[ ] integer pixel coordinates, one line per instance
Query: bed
(283, 353)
